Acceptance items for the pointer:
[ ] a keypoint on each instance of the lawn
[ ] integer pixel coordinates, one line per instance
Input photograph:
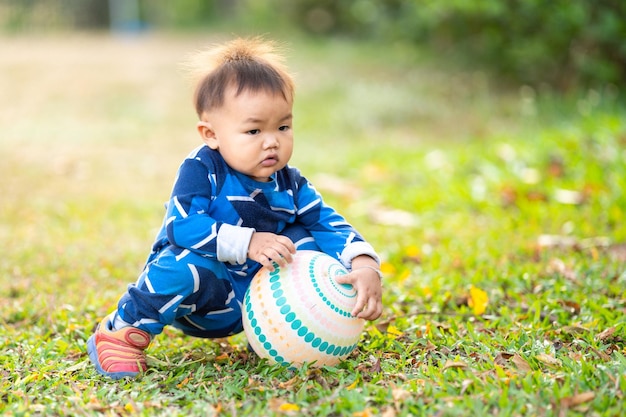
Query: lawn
(499, 214)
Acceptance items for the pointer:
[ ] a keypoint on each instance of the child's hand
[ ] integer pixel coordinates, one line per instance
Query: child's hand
(267, 248)
(366, 282)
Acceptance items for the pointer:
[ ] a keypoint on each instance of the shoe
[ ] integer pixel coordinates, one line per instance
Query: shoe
(118, 353)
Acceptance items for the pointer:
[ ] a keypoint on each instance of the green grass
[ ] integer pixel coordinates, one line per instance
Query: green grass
(459, 185)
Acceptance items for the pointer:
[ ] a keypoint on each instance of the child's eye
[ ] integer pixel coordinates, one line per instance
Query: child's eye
(283, 128)
(254, 132)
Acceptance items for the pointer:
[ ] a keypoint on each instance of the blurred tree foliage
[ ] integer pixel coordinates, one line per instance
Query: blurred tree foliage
(561, 43)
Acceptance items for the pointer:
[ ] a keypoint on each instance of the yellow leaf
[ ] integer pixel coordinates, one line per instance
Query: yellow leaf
(287, 407)
(353, 385)
(182, 383)
(129, 408)
(478, 300)
(429, 331)
(394, 331)
(427, 292)
(387, 268)
(405, 274)
(412, 251)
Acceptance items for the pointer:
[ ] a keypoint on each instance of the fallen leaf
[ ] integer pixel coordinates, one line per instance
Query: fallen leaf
(392, 217)
(520, 363)
(556, 241)
(605, 334)
(387, 268)
(465, 385)
(290, 383)
(389, 412)
(618, 252)
(353, 385)
(288, 407)
(557, 266)
(502, 358)
(577, 399)
(336, 185)
(376, 367)
(454, 364)
(572, 305)
(394, 332)
(182, 383)
(478, 300)
(281, 406)
(603, 356)
(574, 329)
(548, 359)
(412, 254)
(399, 394)
(429, 346)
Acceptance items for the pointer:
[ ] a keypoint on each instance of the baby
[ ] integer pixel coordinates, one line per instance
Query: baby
(236, 206)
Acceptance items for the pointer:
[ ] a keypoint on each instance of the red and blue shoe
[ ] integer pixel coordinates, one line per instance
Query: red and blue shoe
(118, 353)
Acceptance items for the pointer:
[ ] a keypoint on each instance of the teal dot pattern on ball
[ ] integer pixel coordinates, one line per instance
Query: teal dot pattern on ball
(299, 313)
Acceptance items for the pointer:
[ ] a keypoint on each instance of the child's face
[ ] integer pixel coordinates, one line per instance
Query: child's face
(252, 132)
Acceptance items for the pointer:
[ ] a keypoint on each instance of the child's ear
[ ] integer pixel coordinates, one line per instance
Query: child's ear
(207, 134)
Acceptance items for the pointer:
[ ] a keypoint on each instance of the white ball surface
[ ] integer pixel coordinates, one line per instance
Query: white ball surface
(299, 313)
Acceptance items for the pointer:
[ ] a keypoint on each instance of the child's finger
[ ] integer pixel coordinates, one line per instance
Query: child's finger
(371, 311)
(361, 301)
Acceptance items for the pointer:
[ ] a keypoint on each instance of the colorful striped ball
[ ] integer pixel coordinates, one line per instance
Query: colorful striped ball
(299, 313)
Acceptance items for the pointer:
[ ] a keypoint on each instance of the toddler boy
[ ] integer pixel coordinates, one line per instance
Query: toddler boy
(236, 206)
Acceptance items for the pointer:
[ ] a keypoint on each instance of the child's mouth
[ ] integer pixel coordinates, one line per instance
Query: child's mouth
(270, 161)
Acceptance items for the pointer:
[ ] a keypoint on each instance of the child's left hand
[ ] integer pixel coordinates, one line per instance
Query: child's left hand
(366, 282)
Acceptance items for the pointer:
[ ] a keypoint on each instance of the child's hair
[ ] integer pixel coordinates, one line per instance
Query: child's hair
(250, 64)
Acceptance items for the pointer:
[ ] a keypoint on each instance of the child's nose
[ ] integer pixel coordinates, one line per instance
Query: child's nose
(271, 141)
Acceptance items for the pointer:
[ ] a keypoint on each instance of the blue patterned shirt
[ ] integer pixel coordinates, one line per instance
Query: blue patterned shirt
(213, 211)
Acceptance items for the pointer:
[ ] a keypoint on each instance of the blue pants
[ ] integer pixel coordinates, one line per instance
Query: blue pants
(196, 294)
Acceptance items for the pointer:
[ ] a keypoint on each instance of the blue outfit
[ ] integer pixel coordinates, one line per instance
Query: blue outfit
(198, 271)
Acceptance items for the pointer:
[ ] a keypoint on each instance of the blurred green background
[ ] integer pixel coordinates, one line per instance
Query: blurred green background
(558, 44)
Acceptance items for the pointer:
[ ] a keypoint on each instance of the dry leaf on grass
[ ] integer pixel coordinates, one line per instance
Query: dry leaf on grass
(618, 252)
(389, 412)
(502, 358)
(399, 394)
(454, 364)
(278, 405)
(578, 399)
(574, 328)
(520, 363)
(605, 334)
(548, 359)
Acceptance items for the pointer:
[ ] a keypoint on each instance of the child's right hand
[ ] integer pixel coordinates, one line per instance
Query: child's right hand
(267, 248)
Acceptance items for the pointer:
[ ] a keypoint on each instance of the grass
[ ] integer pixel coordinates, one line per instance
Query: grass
(499, 215)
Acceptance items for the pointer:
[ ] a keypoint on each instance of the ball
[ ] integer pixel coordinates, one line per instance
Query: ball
(299, 313)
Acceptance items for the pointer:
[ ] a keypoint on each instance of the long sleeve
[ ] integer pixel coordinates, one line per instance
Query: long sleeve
(332, 233)
(189, 222)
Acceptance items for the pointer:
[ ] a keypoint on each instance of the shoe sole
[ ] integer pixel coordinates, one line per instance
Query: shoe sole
(93, 356)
